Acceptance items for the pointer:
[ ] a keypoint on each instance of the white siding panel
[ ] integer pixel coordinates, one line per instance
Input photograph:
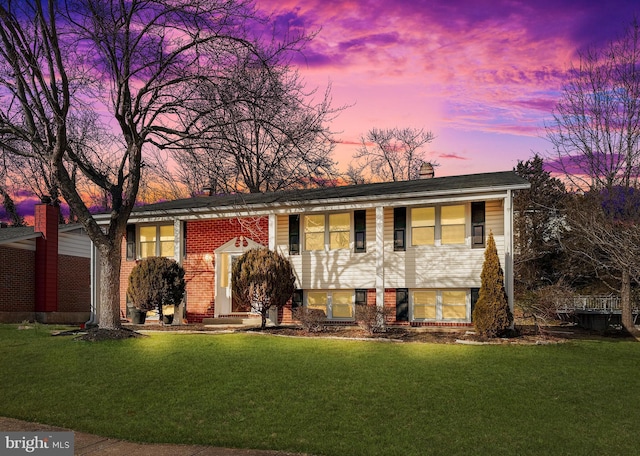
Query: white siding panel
(77, 245)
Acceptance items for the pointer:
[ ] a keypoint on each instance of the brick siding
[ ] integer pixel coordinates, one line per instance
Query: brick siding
(74, 284)
(17, 280)
(203, 238)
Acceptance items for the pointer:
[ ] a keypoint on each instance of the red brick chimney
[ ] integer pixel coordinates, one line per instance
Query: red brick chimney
(46, 222)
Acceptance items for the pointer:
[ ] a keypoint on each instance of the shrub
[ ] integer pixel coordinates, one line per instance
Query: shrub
(154, 282)
(491, 315)
(311, 320)
(542, 304)
(263, 279)
(372, 318)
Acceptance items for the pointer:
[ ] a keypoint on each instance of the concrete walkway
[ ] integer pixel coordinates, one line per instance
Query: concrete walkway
(88, 444)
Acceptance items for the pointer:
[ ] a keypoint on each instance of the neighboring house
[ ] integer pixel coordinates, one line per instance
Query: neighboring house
(416, 247)
(45, 271)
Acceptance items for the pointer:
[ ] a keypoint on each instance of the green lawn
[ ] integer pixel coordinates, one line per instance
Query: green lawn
(330, 397)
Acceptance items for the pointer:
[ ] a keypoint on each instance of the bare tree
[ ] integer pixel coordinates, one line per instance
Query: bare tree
(538, 226)
(393, 154)
(262, 131)
(595, 134)
(136, 63)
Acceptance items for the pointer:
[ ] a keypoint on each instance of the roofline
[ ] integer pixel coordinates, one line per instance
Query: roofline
(24, 237)
(242, 208)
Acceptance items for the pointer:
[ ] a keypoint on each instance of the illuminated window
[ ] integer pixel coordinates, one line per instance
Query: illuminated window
(339, 228)
(439, 305)
(339, 231)
(314, 232)
(424, 304)
(342, 304)
(454, 305)
(423, 225)
(156, 241)
(452, 221)
(317, 300)
(336, 304)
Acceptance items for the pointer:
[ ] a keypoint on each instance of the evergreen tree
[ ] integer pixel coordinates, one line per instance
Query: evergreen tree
(154, 282)
(264, 279)
(492, 316)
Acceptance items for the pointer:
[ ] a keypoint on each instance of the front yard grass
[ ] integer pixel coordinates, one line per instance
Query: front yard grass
(329, 397)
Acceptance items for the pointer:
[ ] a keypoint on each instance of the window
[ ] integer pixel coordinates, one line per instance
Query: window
(360, 230)
(361, 297)
(336, 304)
(294, 234)
(424, 305)
(399, 228)
(452, 221)
(454, 305)
(156, 241)
(477, 224)
(439, 304)
(317, 300)
(314, 232)
(423, 225)
(341, 304)
(339, 228)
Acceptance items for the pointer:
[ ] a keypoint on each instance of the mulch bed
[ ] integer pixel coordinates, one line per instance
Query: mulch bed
(524, 334)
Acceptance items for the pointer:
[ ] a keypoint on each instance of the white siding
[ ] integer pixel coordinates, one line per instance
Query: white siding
(331, 269)
(438, 266)
(78, 245)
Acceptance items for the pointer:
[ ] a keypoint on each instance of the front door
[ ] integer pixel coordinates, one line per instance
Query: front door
(236, 304)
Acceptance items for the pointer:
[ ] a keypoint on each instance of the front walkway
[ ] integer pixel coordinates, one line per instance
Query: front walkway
(88, 444)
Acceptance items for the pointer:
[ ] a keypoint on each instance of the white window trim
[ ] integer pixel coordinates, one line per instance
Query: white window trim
(438, 227)
(439, 305)
(327, 232)
(157, 241)
(329, 294)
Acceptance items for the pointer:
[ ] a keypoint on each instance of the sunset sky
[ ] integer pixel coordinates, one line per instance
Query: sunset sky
(482, 75)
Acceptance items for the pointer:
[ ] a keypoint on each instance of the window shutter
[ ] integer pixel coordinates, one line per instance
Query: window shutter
(296, 299)
(475, 294)
(361, 297)
(399, 228)
(360, 230)
(294, 234)
(131, 242)
(402, 304)
(477, 224)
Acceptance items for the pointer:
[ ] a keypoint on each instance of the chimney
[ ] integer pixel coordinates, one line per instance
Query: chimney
(426, 171)
(46, 271)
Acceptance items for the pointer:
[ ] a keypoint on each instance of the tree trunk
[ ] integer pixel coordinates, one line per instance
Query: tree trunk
(627, 311)
(109, 311)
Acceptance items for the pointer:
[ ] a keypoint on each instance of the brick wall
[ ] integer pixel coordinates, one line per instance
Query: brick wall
(203, 238)
(74, 284)
(17, 280)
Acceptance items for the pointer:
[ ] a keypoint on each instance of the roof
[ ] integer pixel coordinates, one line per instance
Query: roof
(17, 233)
(23, 233)
(436, 186)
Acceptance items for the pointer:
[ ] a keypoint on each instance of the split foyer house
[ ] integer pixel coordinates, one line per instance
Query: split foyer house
(415, 247)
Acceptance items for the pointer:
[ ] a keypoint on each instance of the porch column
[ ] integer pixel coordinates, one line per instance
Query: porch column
(380, 257)
(178, 254)
(508, 248)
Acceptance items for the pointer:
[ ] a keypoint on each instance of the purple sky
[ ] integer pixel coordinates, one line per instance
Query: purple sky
(483, 76)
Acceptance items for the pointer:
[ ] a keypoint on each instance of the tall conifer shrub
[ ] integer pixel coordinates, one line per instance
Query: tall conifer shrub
(491, 315)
